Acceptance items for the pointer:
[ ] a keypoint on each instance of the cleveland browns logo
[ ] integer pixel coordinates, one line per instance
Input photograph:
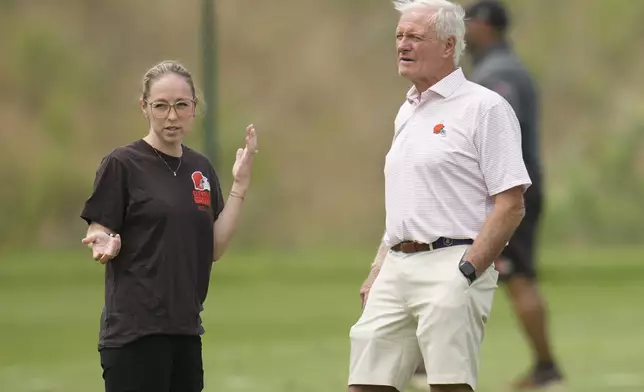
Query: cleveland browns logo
(201, 193)
(200, 181)
(439, 129)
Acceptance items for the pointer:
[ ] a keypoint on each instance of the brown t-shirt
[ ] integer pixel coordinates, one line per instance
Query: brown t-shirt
(158, 282)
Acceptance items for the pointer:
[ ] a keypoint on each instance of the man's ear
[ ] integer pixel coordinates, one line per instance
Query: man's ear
(450, 47)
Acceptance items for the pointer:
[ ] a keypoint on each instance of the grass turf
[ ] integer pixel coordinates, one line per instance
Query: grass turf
(278, 322)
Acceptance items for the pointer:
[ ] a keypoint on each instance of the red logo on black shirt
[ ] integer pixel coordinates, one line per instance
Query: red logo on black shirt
(200, 181)
(201, 193)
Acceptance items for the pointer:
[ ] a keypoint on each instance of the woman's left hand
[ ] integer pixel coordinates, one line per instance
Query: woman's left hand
(244, 159)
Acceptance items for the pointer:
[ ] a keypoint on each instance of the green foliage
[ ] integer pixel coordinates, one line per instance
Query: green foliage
(605, 196)
(322, 91)
(6, 5)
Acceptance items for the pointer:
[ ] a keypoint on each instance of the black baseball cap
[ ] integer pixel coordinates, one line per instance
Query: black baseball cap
(491, 12)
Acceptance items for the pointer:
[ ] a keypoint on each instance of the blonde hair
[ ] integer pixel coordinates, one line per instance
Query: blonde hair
(164, 68)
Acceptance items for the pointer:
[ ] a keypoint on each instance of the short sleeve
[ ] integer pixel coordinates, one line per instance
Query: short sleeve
(498, 142)
(216, 196)
(504, 86)
(106, 205)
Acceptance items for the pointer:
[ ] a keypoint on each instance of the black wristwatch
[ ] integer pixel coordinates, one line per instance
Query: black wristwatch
(468, 270)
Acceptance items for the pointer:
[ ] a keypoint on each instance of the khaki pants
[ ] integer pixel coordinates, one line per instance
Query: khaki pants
(422, 308)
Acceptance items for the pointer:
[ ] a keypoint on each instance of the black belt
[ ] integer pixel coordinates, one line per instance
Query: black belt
(442, 242)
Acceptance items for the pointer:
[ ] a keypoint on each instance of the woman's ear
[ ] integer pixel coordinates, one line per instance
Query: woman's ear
(144, 107)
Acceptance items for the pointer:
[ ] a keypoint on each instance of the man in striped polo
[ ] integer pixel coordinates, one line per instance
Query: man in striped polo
(497, 67)
(454, 185)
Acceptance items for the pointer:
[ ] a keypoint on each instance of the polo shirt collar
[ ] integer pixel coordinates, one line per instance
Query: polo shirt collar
(443, 88)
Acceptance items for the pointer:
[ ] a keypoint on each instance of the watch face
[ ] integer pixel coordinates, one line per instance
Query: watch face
(467, 268)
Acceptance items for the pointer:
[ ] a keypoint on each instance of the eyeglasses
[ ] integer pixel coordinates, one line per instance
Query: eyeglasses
(183, 108)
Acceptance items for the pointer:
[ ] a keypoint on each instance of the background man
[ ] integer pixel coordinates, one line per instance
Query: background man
(497, 67)
(454, 184)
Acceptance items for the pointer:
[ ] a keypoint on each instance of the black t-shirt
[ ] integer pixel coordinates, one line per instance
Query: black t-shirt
(158, 282)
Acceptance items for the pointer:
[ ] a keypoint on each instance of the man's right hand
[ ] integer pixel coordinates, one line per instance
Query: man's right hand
(366, 286)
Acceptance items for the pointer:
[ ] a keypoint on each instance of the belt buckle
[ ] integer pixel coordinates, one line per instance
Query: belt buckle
(448, 242)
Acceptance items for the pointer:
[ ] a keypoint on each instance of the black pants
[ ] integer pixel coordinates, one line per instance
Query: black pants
(158, 363)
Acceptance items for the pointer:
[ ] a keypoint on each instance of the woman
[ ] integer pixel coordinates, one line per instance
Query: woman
(157, 220)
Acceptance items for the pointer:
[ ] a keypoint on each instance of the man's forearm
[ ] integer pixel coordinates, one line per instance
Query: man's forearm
(496, 232)
(380, 255)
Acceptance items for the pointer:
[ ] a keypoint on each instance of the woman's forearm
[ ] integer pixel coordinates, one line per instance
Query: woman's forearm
(227, 222)
(95, 227)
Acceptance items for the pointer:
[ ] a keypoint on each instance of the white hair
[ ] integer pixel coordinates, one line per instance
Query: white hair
(448, 19)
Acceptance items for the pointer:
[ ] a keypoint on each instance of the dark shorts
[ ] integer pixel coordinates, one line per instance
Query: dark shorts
(158, 363)
(517, 259)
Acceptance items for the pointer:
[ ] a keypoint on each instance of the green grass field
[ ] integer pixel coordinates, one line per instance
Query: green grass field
(279, 322)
